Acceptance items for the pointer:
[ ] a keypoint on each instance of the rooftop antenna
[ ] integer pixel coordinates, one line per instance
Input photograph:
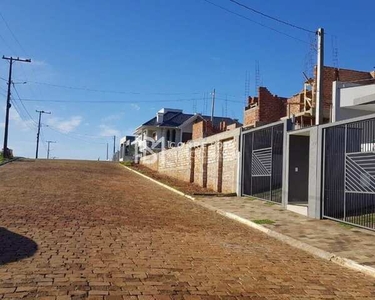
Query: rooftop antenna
(257, 76)
(194, 106)
(247, 86)
(335, 51)
(310, 57)
(204, 104)
(226, 106)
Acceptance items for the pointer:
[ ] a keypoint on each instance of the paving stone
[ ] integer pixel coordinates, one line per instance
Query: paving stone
(106, 233)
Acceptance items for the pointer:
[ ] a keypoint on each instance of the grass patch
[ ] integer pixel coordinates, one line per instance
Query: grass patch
(126, 163)
(2, 159)
(250, 198)
(347, 226)
(264, 221)
(269, 203)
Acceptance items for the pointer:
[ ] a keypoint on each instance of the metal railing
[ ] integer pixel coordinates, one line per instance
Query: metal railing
(349, 173)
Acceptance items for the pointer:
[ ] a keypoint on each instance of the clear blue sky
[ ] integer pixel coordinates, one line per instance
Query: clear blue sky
(160, 53)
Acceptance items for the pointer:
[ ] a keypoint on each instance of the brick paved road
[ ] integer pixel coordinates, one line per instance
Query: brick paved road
(105, 233)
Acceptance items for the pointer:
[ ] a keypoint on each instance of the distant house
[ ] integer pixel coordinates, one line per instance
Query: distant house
(126, 151)
(171, 126)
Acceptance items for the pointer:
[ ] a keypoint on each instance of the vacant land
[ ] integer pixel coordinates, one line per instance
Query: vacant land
(72, 230)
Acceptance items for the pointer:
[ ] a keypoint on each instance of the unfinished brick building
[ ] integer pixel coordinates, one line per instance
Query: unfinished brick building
(267, 108)
(302, 105)
(205, 128)
(264, 109)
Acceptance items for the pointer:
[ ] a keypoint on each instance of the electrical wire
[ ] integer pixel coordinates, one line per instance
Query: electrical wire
(73, 137)
(6, 44)
(121, 101)
(23, 105)
(24, 51)
(105, 101)
(270, 17)
(21, 115)
(256, 22)
(11, 32)
(108, 91)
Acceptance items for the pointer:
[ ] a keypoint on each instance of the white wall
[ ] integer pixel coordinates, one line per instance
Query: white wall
(345, 105)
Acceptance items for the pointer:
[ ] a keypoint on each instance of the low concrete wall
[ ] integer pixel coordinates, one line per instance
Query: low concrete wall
(210, 162)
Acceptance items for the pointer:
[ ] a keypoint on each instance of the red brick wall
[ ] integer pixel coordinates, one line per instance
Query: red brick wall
(198, 130)
(270, 108)
(294, 104)
(251, 116)
(331, 74)
(204, 129)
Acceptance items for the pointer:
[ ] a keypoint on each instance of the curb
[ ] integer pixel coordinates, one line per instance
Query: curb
(9, 161)
(344, 262)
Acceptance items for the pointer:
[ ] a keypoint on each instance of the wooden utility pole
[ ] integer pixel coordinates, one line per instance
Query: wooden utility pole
(48, 147)
(107, 151)
(213, 106)
(114, 146)
(38, 134)
(11, 59)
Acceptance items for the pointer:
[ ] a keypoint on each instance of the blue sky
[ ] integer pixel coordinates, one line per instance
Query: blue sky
(150, 54)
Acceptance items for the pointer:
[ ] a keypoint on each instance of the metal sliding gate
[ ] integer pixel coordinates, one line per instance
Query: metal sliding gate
(262, 162)
(349, 173)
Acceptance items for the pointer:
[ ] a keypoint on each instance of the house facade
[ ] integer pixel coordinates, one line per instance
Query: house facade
(171, 127)
(126, 151)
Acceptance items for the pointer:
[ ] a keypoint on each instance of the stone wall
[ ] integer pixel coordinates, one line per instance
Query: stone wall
(211, 162)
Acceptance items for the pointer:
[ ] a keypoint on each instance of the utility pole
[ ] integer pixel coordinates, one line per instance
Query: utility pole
(114, 145)
(319, 78)
(38, 134)
(107, 151)
(213, 106)
(8, 105)
(48, 147)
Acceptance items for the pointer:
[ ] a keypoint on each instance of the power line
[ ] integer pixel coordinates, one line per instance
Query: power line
(108, 91)
(21, 115)
(120, 101)
(258, 23)
(23, 105)
(6, 44)
(105, 101)
(24, 51)
(13, 35)
(73, 137)
(272, 18)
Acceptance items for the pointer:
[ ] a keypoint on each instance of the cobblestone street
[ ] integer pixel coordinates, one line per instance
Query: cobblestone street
(77, 230)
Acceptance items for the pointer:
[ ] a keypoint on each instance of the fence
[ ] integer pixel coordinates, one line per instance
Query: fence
(262, 162)
(349, 172)
(211, 162)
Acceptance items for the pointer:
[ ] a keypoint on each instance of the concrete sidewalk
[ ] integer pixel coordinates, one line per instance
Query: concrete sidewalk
(342, 240)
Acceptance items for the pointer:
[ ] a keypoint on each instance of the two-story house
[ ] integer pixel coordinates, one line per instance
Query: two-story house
(170, 127)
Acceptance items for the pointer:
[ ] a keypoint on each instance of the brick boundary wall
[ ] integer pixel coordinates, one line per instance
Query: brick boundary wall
(210, 162)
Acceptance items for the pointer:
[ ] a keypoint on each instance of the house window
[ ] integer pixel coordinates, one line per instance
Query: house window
(174, 135)
(168, 135)
(154, 135)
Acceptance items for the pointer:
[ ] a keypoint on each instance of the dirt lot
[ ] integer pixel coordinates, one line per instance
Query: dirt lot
(183, 186)
(77, 230)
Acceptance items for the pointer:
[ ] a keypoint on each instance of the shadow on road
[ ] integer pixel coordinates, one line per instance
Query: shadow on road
(14, 247)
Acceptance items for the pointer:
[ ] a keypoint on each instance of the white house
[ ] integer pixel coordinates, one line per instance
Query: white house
(169, 128)
(352, 100)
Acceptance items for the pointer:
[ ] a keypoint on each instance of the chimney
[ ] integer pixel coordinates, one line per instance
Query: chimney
(159, 117)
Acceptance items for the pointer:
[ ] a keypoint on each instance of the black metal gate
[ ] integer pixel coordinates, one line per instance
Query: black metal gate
(349, 173)
(262, 162)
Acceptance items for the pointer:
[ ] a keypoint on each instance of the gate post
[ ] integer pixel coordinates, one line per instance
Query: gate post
(285, 178)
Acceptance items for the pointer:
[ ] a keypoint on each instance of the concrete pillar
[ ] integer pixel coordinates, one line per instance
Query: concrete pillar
(219, 166)
(204, 165)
